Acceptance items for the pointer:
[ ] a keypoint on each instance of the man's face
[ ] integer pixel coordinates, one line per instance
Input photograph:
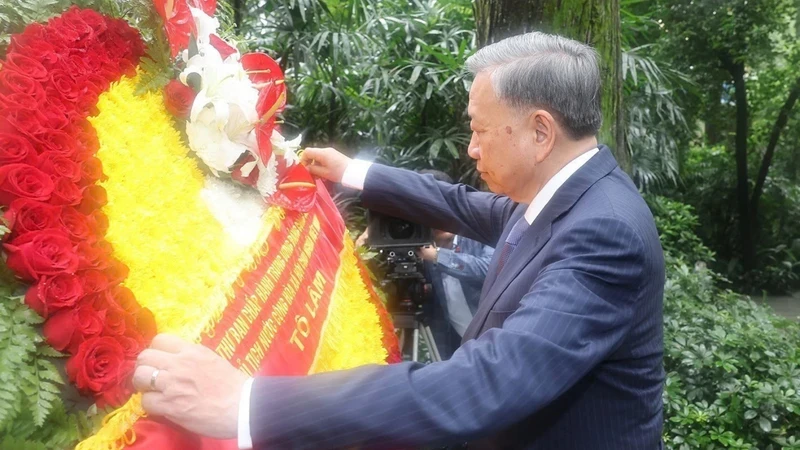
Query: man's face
(502, 140)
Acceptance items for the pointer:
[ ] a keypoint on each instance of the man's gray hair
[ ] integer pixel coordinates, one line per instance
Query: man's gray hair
(538, 70)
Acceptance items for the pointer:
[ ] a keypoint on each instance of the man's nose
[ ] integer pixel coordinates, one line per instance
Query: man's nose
(474, 151)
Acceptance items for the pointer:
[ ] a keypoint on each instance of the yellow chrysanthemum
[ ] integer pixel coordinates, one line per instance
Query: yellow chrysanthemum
(180, 259)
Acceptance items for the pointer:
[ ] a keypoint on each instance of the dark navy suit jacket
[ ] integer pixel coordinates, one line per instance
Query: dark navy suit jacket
(565, 350)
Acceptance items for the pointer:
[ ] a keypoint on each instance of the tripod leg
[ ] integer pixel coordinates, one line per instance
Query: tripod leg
(415, 348)
(434, 350)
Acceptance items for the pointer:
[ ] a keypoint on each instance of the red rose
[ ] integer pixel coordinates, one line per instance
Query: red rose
(45, 53)
(178, 99)
(33, 33)
(73, 20)
(94, 280)
(110, 70)
(92, 171)
(40, 253)
(116, 317)
(29, 66)
(94, 81)
(59, 166)
(21, 101)
(94, 197)
(65, 85)
(16, 149)
(66, 329)
(141, 322)
(87, 103)
(60, 34)
(132, 345)
(76, 224)
(57, 114)
(127, 68)
(55, 141)
(116, 271)
(93, 256)
(85, 140)
(26, 215)
(51, 294)
(99, 222)
(28, 121)
(66, 193)
(100, 367)
(12, 81)
(145, 325)
(24, 181)
(94, 20)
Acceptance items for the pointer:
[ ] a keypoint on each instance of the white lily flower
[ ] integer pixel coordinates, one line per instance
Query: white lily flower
(218, 147)
(267, 176)
(288, 149)
(205, 24)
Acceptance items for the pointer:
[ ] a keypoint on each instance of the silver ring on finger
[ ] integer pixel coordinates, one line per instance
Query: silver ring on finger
(153, 378)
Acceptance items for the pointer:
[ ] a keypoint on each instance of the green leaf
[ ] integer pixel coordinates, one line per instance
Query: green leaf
(750, 414)
(415, 74)
(765, 424)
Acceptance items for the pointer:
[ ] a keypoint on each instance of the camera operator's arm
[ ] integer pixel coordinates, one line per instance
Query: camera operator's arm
(465, 266)
(417, 198)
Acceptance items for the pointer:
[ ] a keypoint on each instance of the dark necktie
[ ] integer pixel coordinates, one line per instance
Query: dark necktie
(512, 240)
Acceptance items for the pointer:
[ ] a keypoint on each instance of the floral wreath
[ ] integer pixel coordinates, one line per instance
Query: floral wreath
(66, 97)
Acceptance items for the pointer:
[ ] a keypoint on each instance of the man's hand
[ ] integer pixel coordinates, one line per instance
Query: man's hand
(325, 163)
(428, 253)
(195, 388)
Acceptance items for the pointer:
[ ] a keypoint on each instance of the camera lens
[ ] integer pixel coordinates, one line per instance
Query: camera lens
(400, 229)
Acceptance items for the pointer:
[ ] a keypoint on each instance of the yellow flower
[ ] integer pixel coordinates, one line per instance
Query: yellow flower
(180, 259)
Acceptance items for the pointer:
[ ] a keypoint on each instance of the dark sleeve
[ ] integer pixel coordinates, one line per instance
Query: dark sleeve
(576, 313)
(421, 199)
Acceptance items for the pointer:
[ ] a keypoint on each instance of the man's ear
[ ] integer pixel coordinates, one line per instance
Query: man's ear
(544, 128)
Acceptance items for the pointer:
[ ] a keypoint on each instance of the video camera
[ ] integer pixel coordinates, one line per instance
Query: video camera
(397, 240)
(405, 283)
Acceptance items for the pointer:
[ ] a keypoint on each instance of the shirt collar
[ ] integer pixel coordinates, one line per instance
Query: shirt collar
(550, 188)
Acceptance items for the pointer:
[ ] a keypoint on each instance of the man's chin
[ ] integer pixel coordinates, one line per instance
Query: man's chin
(492, 186)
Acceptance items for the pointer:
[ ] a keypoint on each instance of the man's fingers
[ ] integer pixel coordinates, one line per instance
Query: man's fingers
(314, 156)
(155, 358)
(169, 343)
(155, 404)
(143, 376)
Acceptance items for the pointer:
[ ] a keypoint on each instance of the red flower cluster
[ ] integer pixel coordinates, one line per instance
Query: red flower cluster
(49, 84)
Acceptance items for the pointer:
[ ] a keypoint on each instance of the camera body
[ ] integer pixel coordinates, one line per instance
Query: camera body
(397, 240)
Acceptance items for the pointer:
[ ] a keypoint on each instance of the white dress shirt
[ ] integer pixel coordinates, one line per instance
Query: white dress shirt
(354, 177)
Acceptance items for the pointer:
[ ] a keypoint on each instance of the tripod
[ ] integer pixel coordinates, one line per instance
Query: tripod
(413, 321)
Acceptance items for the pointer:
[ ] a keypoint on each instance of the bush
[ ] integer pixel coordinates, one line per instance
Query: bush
(733, 367)
(677, 225)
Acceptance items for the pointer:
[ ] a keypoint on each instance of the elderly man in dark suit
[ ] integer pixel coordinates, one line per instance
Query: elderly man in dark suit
(565, 350)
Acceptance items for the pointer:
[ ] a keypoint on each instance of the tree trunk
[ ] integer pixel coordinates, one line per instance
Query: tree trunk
(766, 161)
(742, 185)
(595, 22)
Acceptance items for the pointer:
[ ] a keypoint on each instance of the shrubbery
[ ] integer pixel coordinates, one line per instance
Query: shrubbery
(733, 366)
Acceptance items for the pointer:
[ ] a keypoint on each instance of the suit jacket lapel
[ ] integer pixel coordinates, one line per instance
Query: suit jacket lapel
(537, 235)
